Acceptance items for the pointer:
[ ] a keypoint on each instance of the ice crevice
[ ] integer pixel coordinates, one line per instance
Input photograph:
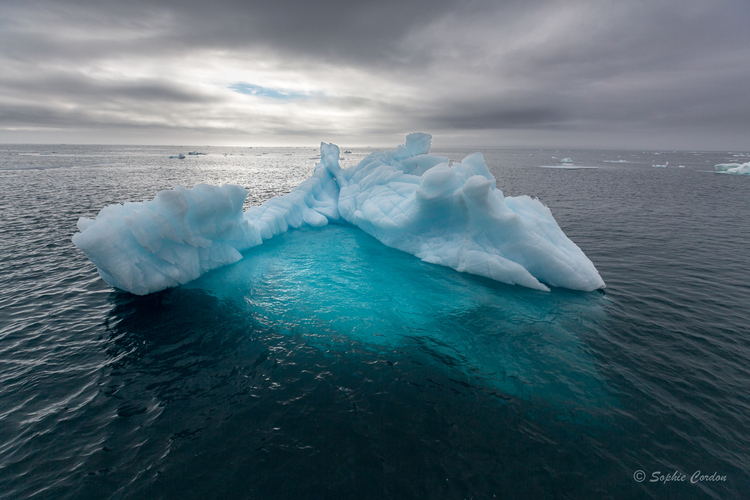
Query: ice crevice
(445, 213)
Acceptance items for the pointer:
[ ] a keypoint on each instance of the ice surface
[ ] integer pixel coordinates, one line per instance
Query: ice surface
(733, 168)
(452, 215)
(455, 216)
(170, 240)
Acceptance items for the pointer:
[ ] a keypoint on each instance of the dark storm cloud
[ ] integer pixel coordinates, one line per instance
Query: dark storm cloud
(72, 86)
(329, 29)
(436, 65)
(507, 114)
(502, 119)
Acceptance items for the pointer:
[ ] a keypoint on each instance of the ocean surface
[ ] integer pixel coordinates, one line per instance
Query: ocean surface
(325, 365)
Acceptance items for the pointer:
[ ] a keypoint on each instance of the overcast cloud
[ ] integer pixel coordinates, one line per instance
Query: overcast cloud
(537, 73)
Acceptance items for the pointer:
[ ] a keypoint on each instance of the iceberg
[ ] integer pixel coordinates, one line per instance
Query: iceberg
(733, 168)
(444, 213)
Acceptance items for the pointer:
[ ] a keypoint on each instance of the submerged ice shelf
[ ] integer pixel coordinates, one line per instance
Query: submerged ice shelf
(318, 283)
(452, 215)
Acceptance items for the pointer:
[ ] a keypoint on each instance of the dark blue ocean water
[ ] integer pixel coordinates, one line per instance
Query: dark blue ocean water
(325, 365)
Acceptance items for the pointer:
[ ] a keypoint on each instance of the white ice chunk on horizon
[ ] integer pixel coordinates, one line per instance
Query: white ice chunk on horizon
(452, 215)
(567, 167)
(733, 168)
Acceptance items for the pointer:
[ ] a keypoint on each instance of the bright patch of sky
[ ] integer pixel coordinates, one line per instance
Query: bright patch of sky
(250, 89)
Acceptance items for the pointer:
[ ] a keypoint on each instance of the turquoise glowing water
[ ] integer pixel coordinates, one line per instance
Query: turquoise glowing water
(343, 289)
(325, 365)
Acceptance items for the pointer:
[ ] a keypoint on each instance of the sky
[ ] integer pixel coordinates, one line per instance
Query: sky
(634, 74)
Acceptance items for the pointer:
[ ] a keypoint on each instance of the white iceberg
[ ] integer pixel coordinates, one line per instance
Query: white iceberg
(170, 240)
(567, 167)
(733, 168)
(452, 215)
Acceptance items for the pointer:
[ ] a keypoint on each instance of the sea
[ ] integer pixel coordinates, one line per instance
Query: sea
(324, 365)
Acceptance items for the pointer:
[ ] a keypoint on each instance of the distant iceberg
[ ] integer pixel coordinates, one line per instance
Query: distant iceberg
(733, 168)
(452, 215)
(566, 164)
(567, 167)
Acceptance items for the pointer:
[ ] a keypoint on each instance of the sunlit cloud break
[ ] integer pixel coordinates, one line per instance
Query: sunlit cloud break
(257, 90)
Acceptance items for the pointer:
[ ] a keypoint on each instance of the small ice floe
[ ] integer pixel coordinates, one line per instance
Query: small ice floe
(179, 156)
(733, 168)
(565, 164)
(567, 167)
(666, 164)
